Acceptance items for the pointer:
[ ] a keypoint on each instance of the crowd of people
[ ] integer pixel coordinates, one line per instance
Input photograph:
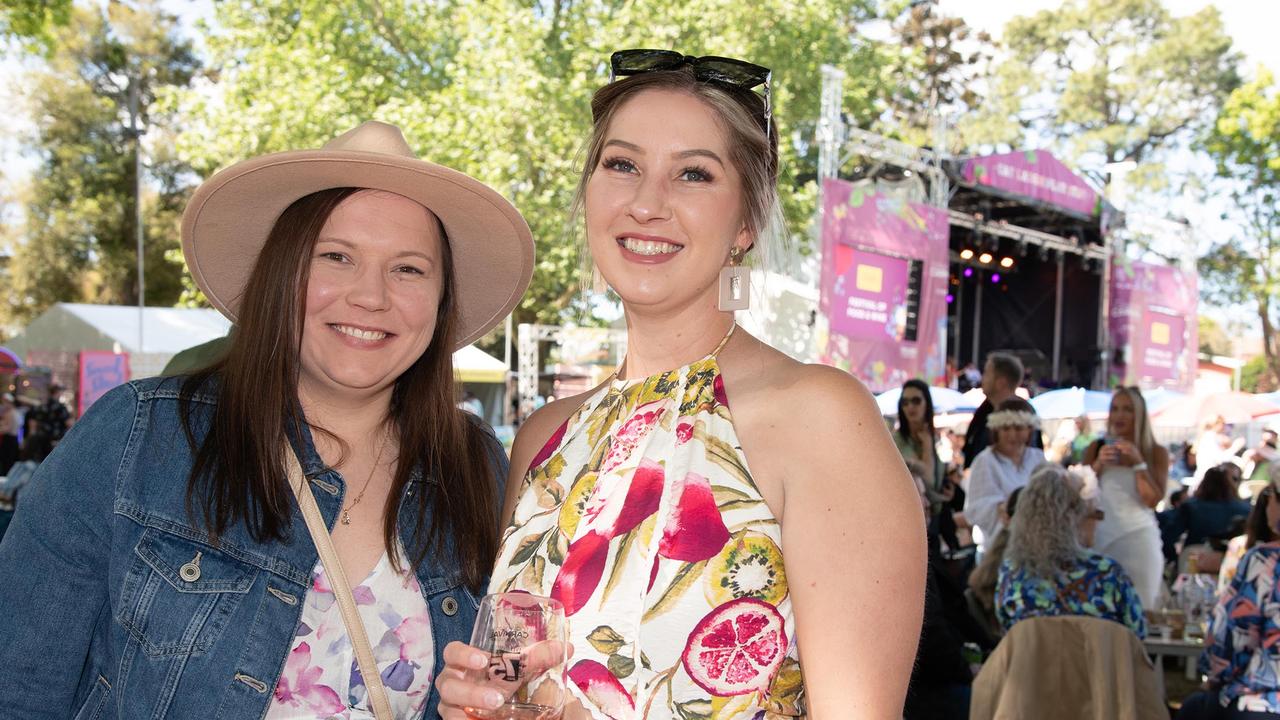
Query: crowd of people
(1098, 530)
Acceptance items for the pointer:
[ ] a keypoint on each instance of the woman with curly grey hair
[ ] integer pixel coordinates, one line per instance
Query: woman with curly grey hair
(1048, 569)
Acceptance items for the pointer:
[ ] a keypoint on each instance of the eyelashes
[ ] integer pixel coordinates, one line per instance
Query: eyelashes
(691, 173)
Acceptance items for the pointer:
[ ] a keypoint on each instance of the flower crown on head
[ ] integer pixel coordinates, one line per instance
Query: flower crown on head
(1010, 418)
(1088, 480)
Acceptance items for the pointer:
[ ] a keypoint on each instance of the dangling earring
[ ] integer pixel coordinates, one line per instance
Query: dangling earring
(735, 283)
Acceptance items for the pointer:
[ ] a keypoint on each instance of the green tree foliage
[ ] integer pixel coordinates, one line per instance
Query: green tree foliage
(79, 241)
(29, 21)
(1245, 268)
(500, 89)
(1110, 80)
(1213, 339)
(936, 60)
(1257, 377)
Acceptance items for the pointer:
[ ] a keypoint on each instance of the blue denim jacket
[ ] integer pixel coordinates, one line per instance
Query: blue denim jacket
(96, 621)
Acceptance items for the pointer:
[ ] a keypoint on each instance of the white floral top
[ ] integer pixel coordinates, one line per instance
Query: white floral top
(641, 517)
(321, 679)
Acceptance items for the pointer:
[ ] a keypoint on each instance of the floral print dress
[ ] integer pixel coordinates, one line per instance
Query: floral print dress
(640, 515)
(1094, 586)
(321, 679)
(1242, 659)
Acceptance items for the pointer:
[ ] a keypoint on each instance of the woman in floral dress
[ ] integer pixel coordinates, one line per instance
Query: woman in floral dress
(716, 514)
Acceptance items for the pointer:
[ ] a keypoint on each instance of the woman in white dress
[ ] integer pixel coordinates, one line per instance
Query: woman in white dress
(1132, 468)
(1002, 467)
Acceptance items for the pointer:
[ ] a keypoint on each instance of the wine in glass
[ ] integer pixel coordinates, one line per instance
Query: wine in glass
(527, 641)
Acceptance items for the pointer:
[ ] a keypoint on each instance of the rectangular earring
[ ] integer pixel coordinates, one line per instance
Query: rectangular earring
(735, 283)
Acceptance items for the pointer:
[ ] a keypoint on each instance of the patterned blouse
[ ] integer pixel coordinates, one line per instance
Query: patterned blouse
(1095, 586)
(1243, 657)
(321, 679)
(641, 516)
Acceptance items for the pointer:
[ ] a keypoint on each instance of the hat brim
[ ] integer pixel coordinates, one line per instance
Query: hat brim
(229, 217)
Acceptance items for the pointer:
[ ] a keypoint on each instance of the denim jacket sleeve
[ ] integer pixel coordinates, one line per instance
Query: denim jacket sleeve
(53, 562)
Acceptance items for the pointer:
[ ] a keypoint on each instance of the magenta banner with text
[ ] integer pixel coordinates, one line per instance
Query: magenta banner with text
(99, 372)
(883, 287)
(1153, 325)
(1034, 174)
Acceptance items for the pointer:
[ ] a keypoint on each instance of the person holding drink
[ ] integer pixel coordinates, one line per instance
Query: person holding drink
(715, 506)
(916, 439)
(164, 563)
(1131, 468)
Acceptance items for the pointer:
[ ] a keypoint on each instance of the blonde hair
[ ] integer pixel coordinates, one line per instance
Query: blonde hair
(1142, 435)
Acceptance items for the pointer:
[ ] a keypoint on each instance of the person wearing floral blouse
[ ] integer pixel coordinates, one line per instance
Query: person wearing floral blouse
(1048, 569)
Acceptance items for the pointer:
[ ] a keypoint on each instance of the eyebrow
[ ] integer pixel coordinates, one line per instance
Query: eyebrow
(683, 154)
(349, 244)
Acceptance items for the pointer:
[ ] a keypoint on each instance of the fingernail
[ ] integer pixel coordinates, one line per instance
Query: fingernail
(479, 662)
(493, 699)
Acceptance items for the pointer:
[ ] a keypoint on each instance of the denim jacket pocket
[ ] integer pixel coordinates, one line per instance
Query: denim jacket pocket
(93, 705)
(178, 595)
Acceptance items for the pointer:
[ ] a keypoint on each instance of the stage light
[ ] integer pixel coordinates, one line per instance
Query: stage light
(966, 254)
(968, 272)
(995, 278)
(950, 298)
(1006, 262)
(985, 258)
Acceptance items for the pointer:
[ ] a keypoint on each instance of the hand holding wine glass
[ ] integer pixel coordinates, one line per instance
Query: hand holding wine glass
(514, 668)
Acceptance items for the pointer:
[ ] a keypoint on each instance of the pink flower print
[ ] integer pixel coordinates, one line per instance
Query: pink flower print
(553, 443)
(684, 433)
(625, 439)
(695, 531)
(415, 639)
(717, 388)
(642, 499)
(363, 595)
(580, 574)
(602, 689)
(298, 687)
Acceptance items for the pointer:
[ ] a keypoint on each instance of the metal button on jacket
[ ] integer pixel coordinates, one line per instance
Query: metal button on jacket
(449, 606)
(190, 571)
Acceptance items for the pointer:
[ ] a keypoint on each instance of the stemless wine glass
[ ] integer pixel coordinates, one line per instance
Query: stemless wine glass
(527, 641)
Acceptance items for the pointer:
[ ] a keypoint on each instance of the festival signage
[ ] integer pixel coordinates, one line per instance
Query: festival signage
(99, 372)
(883, 287)
(1152, 325)
(1034, 174)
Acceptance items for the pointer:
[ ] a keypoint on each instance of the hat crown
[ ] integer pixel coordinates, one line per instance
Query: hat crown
(372, 137)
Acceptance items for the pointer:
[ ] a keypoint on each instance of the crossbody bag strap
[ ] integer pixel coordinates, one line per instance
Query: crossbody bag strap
(374, 688)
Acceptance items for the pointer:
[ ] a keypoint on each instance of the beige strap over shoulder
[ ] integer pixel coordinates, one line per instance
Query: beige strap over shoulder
(377, 694)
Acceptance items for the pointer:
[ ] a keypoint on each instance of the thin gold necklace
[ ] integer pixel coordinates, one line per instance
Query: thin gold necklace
(377, 459)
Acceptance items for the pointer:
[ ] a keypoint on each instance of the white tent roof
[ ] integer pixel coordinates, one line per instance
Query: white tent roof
(475, 365)
(77, 326)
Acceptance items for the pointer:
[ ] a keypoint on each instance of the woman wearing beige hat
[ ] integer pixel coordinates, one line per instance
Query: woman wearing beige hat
(716, 515)
(165, 565)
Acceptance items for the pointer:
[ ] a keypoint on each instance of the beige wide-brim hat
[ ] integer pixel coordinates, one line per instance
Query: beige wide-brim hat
(229, 216)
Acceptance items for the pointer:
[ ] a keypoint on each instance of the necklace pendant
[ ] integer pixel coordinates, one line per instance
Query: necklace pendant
(346, 517)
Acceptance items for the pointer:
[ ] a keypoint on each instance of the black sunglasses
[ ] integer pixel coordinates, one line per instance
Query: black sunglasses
(708, 68)
(913, 400)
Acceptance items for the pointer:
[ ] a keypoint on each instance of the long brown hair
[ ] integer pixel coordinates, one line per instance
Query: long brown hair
(238, 475)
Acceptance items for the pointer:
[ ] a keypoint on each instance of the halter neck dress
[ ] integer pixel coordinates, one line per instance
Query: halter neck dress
(640, 515)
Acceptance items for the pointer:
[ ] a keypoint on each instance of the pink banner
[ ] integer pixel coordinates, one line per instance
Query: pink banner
(1034, 174)
(99, 372)
(883, 287)
(1153, 325)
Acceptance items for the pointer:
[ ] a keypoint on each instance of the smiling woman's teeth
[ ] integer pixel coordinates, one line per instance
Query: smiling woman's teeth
(649, 247)
(358, 333)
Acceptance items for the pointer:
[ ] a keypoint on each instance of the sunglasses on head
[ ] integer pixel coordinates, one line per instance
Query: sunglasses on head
(708, 68)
